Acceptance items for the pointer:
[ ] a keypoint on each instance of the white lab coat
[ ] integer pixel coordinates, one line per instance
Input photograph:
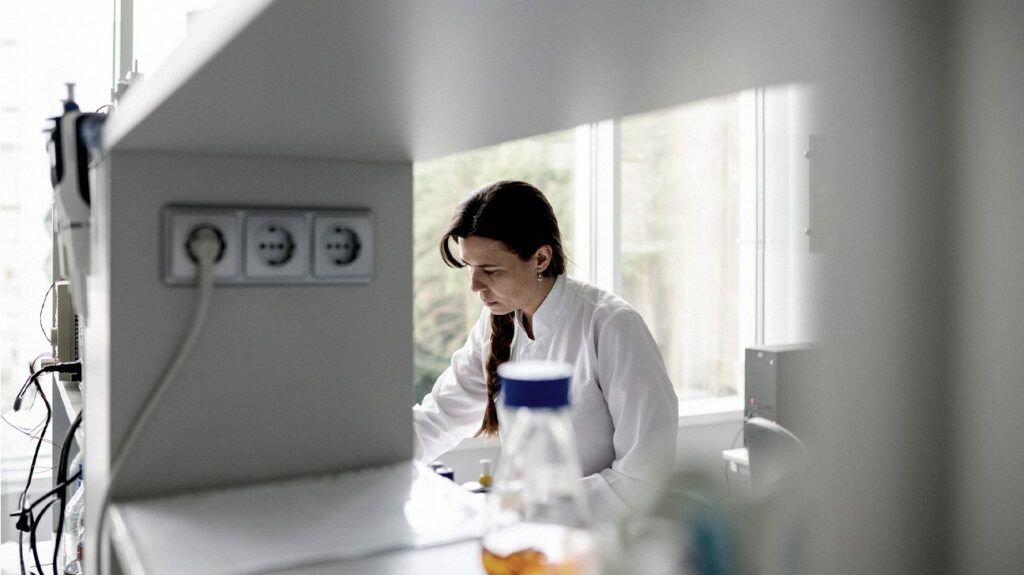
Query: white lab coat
(624, 408)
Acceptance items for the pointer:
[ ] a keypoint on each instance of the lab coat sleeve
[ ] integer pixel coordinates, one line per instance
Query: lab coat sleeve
(644, 411)
(454, 408)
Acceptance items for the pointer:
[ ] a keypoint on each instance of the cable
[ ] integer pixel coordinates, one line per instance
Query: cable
(41, 308)
(32, 524)
(21, 550)
(206, 243)
(49, 493)
(28, 432)
(32, 364)
(25, 519)
(28, 483)
(62, 472)
(66, 445)
(72, 367)
(38, 468)
(32, 536)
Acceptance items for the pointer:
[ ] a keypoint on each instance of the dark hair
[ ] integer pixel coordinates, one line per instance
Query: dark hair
(519, 216)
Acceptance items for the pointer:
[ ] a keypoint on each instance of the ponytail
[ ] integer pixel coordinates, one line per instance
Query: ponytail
(500, 346)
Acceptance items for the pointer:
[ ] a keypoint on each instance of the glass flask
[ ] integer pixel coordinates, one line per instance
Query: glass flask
(537, 519)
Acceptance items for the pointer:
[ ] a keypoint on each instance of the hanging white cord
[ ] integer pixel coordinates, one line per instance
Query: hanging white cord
(206, 245)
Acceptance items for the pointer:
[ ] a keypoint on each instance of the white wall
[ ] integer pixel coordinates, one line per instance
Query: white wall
(792, 270)
(882, 413)
(988, 310)
(285, 380)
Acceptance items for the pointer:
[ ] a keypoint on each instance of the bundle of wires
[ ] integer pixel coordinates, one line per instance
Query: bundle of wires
(27, 519)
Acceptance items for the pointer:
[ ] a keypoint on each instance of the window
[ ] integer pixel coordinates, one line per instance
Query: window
(160, 27)
(671, 209)
(34, 40)
(683, 173)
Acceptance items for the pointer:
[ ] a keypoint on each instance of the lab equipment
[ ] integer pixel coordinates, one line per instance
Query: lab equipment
(74, 143)
(537, 520)
(66, 334)
(774, 380)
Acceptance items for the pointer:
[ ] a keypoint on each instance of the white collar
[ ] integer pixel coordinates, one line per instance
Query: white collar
(550, 311)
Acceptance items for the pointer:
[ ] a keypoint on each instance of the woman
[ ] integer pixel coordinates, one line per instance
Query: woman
(624, 409)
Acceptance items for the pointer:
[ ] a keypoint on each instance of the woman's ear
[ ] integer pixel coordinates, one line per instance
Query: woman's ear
(542, 258)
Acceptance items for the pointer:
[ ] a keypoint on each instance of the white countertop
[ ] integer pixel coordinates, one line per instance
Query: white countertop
(402, 518)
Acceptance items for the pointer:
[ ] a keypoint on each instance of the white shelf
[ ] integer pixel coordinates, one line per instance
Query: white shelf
(380, 520)
(413, 80)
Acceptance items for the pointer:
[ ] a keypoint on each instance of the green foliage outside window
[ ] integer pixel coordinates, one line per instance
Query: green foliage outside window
(680, 221)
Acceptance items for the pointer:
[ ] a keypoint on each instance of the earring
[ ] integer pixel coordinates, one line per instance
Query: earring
(540, 276)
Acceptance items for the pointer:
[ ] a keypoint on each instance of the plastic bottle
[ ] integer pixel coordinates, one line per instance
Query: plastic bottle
(537, 520)
(74, 531)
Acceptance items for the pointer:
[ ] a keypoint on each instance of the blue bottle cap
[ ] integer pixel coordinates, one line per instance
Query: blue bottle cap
(536, 384)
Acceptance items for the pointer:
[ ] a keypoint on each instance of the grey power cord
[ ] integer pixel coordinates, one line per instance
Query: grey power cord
(207, 245)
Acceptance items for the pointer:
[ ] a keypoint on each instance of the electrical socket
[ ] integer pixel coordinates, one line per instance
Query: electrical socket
(343, 245)
(179, 222)
(273, 245)
(277, 244)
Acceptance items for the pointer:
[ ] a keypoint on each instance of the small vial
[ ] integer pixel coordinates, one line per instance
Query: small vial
(486, 479)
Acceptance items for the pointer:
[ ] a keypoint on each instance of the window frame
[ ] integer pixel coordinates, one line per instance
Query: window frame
(598, 198)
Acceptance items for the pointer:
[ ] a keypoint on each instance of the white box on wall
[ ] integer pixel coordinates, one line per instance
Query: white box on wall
(285, 380)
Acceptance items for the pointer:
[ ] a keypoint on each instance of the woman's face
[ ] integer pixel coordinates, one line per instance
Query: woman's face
(504, 282)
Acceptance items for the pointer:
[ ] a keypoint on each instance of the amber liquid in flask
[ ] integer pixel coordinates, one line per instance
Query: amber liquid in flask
(538, 549)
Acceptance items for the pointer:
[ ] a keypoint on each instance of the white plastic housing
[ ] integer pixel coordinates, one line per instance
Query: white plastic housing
(277, 245)
(72, 215)
(273, 245)
(179, 223)
(343, 246)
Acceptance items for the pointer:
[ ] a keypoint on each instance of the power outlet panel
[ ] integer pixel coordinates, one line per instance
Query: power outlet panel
(273, 246)
(179, 267)
(343, 246)
(277, 245)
